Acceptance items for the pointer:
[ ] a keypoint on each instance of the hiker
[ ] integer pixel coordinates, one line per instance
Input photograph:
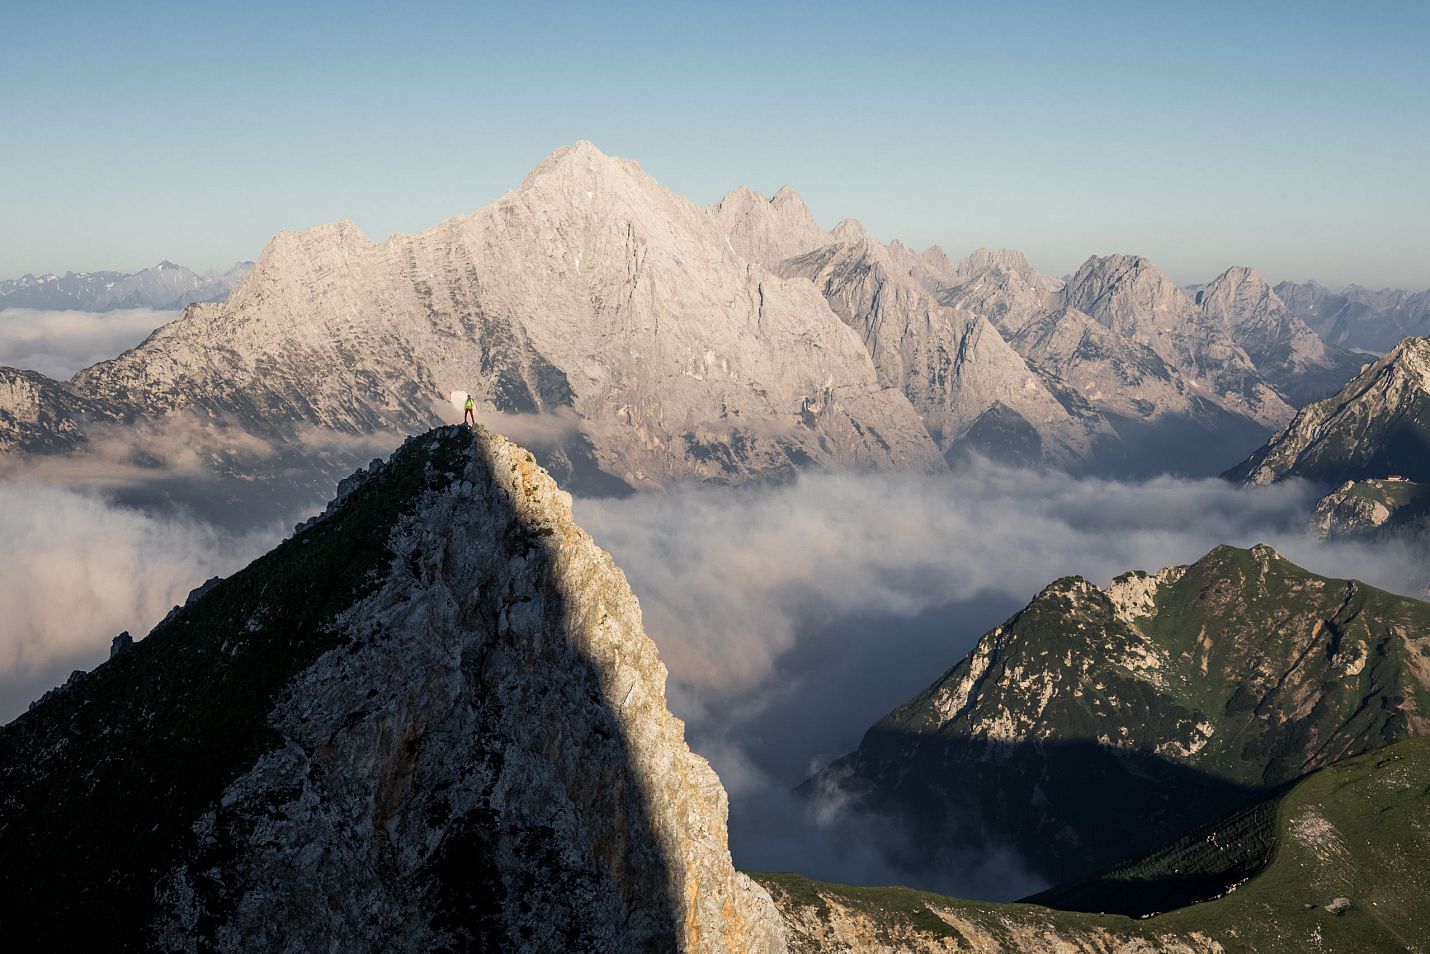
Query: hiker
(471, 414)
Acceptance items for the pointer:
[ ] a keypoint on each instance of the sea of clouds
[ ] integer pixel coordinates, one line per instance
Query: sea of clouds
(791, 616)
(59, 343)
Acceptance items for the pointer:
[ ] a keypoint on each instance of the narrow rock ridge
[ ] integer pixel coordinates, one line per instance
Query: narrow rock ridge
(471, 751)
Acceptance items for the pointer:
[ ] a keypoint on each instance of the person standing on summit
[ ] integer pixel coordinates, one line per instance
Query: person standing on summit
(471, 412)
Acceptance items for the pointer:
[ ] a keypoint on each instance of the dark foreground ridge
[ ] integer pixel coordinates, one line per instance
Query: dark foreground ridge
(430, 720)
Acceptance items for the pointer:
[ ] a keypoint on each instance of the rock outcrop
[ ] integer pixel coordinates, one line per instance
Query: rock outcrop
(1372, 508)
(428, 721)
(1097, 722)
(42, 416)
(1376, 426)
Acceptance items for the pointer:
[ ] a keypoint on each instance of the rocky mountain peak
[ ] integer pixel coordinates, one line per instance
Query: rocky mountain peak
(1093, 707)
(1109, 287)
(1376, 426)
(1006, 259)
(768, 231)
(849, 230)
(787, 198)
(435, 707)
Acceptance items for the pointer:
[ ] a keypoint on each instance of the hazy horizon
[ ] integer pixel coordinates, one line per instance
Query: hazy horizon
(1286, 138)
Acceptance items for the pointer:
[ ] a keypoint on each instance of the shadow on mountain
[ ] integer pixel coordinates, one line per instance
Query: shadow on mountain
(112, 784)
(1203, 864)
(1066, 809)
(1187, 447)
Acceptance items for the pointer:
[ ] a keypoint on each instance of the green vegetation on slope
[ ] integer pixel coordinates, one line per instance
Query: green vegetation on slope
(1358, 830)
(1094, 724)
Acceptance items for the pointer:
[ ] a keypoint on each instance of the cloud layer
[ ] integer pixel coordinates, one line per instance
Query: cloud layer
(793, 617)
(59, 343)
(83, 569)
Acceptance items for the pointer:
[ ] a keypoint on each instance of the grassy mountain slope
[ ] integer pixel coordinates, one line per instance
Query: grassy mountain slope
(1358, 830)
(1096, 723)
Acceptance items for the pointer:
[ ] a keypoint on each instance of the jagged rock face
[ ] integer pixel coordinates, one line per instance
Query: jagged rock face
(1363, 508)
(41, 416)
(1378, 425)
(1291, 356)
(589, 288)
(952, 366)
(768, 231)
(1129, 295)
(1002, 286)
(429, 721)
(164, 286)
(1116, 375)
(1164, 405)
(1095, 723)
(1357, 317)
(932, 269)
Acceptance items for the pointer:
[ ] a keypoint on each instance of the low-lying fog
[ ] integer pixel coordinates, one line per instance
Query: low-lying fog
(790, 617)
(59, 343)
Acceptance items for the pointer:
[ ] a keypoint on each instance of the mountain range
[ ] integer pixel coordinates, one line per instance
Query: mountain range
(164, 287)
(1357, 317)
(667, 341)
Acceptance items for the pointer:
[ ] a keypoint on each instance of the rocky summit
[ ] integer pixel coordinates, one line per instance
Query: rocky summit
(1286, 351)
(1376, 426)
(430, 720)
(1096, 722)
(589, 293)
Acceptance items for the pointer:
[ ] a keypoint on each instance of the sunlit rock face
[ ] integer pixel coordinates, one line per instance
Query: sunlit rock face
(1376, 426)
(430, 720)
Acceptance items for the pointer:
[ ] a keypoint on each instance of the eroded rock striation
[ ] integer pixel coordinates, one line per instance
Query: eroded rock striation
(430, 720)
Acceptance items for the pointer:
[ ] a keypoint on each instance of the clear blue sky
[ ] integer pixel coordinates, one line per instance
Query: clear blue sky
(1294, 137)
